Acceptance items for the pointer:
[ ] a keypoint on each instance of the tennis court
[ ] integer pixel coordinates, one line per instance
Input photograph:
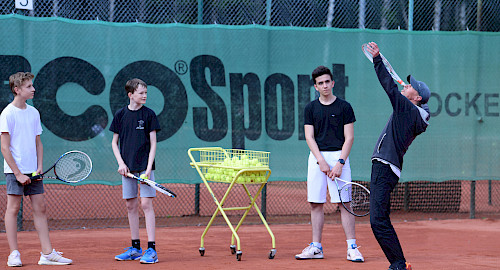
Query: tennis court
(436, 244)
(236, 74)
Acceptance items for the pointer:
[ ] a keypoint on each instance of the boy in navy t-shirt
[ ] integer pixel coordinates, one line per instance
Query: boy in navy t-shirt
(135, 127)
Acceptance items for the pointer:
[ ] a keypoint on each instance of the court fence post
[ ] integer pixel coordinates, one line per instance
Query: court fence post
(406, 197)
(20, 217)
(268, 12)
(489, 193)
(197, 199)
(200, 11)
(263, 206)
(472, 199)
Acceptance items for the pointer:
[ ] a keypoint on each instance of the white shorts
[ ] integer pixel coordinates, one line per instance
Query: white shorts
(318, 182)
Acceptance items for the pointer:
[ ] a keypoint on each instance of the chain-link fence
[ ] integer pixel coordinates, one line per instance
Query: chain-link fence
(101, 206)
(418, 15)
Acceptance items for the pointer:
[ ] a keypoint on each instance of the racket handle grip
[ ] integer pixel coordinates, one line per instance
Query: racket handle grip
(129, 175)
(36, 177)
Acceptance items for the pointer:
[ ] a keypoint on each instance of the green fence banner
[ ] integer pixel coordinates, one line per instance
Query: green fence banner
(246, 87)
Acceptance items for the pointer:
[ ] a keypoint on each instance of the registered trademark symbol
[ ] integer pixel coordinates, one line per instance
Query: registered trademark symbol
(181, 67)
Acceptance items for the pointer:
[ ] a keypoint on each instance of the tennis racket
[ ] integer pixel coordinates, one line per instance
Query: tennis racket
(154, 185)
(354, 197)
(71, 167)
(387, 65)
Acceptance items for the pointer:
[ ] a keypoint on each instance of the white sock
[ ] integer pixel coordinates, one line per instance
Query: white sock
(317, 244)
(351, 243)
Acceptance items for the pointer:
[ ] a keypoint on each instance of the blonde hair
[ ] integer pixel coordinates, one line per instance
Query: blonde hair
(16, 80)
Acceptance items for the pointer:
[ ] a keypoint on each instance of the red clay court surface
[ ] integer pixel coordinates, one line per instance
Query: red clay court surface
(438, 244)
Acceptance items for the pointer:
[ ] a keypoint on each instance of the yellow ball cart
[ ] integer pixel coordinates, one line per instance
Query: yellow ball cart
(233, 166)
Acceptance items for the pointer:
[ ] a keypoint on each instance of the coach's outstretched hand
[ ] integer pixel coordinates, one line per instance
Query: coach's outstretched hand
(373, 49)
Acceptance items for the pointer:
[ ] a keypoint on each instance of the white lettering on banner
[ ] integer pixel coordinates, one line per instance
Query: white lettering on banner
(24, 4)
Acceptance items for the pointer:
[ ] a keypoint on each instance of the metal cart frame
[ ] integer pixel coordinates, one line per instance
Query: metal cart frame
(233, 166)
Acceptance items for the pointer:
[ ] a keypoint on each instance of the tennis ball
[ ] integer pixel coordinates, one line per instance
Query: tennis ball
(34, 174)
(143, 176)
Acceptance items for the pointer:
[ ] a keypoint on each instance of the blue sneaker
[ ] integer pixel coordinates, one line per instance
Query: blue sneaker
(150, 256)
(131, 254)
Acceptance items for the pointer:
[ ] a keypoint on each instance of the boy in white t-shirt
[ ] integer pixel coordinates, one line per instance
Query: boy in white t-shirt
(23, 154)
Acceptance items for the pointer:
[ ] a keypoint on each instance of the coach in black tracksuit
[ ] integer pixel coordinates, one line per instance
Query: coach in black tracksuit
(409, 118)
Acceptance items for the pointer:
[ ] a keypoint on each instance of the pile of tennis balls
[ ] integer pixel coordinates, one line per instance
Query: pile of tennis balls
(235, 164)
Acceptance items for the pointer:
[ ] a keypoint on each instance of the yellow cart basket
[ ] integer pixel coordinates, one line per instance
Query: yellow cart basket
(233, 166)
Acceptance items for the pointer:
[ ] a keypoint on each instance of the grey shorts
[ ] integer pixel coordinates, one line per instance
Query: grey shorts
(130, 187)
(15, 188)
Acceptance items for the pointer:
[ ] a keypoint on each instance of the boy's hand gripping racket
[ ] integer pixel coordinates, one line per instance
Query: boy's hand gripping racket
(354, 197)
(71, 167)
(387, 65)
(154, 185)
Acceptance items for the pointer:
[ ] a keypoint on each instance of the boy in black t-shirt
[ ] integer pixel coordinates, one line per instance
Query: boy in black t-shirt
(329, 131)
(135, 127)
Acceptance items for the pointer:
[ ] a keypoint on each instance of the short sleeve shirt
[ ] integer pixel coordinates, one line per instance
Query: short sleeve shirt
(133, 128)
(328, 122)
(23, 125)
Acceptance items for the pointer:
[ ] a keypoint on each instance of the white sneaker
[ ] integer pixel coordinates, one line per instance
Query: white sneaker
(310, 252)
(14, 259)
(354, 255)
(53, 258)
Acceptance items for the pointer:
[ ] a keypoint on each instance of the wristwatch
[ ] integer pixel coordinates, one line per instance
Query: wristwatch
(341, 161)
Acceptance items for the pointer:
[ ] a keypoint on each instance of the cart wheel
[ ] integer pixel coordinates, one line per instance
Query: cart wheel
(272, 253)
(202, 251)
(238, 255)
(233, 249)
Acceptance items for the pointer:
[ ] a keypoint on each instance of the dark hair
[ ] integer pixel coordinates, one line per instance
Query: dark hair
(132, 85)
(319, 71)
(17, 79)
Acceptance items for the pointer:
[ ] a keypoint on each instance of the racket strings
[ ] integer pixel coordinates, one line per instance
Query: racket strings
(391, 70)
(357, 199)
(387, 65)
(360, 200)
(73, 167)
